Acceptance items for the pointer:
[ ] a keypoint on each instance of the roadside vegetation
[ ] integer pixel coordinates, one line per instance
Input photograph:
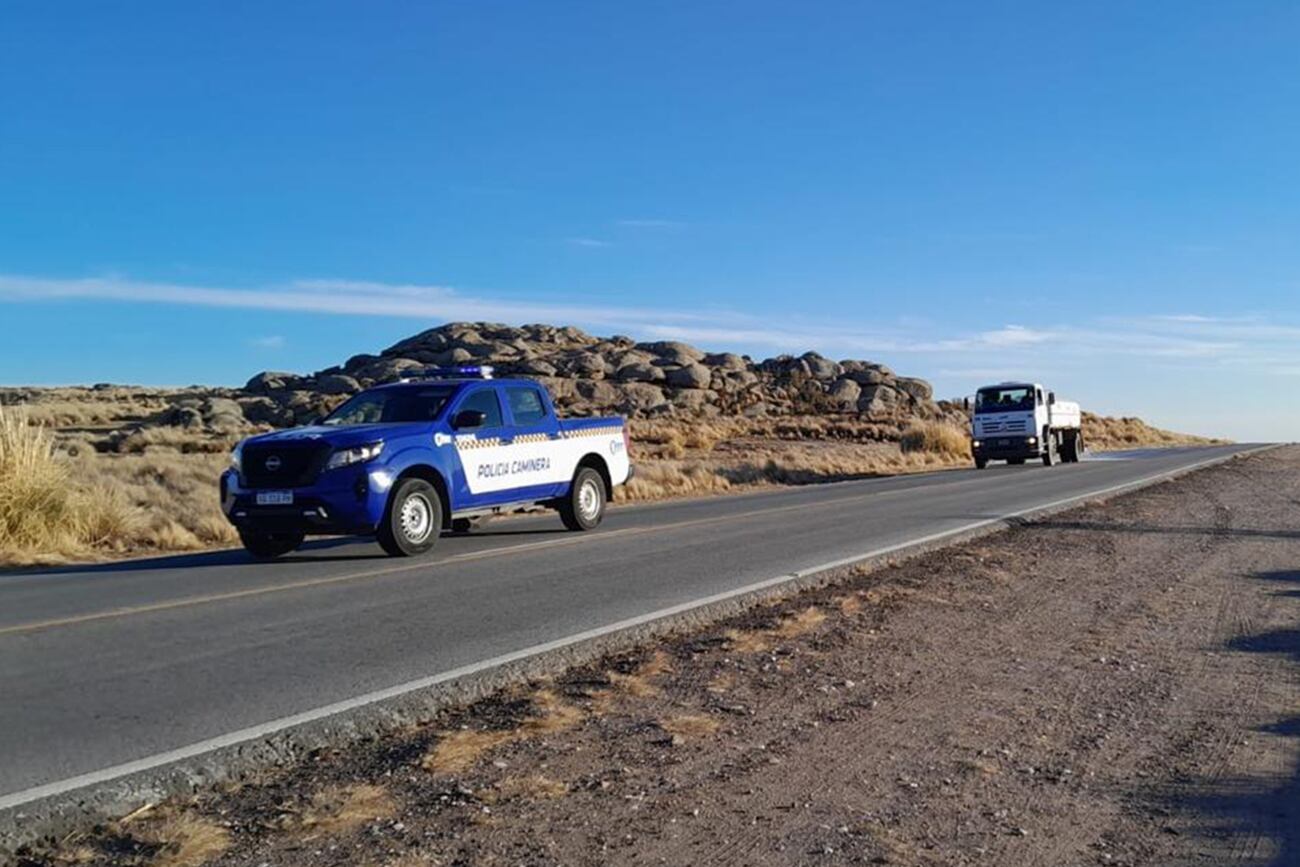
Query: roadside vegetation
(97, 473)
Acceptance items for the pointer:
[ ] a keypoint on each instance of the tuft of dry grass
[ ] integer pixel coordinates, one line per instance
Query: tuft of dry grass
(340, 809)
(638, 682)
(458, 751)
(939, 438)
(748, 641)
(798, 624)
(184, 839)
(550, 714)
(687, 726)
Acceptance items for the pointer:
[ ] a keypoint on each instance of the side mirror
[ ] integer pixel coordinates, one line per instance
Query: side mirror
(1051, 398)
(468, 418)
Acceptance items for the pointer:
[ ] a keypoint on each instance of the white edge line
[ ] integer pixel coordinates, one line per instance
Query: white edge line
(36, 793)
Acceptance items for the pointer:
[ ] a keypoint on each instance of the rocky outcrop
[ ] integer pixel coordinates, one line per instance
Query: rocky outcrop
(591, 375)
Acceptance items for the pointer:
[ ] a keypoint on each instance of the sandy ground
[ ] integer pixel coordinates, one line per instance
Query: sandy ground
(1119, 684)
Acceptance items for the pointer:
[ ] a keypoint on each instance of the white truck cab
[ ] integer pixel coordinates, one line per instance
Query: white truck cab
(1017, 421)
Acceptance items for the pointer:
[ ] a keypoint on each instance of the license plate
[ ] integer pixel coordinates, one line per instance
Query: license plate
(275, 498)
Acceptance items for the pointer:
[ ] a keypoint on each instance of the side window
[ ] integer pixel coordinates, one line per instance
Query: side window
(526, 405)
(485, 401)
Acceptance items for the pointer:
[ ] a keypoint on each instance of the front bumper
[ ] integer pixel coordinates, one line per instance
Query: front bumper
(341, 502)
(1003, 448)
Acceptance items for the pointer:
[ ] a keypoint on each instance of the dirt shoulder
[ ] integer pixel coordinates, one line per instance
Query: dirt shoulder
(1118, 684)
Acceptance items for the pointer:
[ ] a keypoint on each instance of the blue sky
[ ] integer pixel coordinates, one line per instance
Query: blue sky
(1103, 196)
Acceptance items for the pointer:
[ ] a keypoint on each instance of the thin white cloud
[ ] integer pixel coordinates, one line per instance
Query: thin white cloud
(1248, 345)
(271, 341)
(588, 242)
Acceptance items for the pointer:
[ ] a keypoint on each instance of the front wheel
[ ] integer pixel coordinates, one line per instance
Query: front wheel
(412, 520)
(981, 463)
(268, 546)
(584, 506)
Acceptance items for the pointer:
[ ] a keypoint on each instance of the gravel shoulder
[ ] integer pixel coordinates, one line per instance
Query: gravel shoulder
(1117, 684)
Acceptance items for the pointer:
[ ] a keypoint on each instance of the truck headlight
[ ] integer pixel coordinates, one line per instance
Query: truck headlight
(357, 455)
(237, 458)
(975, 444)
(1032, 440)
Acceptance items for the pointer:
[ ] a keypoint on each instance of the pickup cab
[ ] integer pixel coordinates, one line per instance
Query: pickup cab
(403, 462)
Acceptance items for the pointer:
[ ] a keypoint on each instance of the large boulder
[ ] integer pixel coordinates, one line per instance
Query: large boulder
(337, 383)
(820, 368)
(673, 351)
(639, 371)
(845, 392)
(918, 389)
(690, 376)
(271, 380)
(640, 398)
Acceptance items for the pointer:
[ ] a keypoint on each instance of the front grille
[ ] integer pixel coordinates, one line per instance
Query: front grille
(299, 465)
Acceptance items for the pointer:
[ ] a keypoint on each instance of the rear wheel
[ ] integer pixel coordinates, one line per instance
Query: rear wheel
(1070, 448)
(981, 463)
(268, 546)
(584, 506)
(412, 520)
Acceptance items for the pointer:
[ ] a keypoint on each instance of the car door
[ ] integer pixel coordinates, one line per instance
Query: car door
(484, 451)
(536, 451)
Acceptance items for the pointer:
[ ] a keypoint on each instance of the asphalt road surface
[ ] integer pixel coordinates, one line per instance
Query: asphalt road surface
(106, 665)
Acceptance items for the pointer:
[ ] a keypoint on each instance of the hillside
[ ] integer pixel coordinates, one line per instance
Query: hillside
(144, 461)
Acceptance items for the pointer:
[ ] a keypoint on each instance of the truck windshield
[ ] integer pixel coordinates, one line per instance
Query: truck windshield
(1006, 399)
(391, 405)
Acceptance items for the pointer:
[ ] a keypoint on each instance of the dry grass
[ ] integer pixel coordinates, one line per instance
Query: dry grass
(186, 840)
(937, 438)
(459, 750)
(340, 809)
(638, 683)
(537, 787)
(800, 624)
(1106, 434)
(688, 726)
(748, 641)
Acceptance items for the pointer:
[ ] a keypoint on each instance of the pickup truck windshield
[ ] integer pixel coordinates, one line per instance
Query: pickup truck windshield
(391, 405)
(1019, 397)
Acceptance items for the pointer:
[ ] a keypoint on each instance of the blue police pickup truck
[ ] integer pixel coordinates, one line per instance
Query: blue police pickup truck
(405, 461)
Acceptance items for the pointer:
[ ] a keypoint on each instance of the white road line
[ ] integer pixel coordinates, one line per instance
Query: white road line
(252, 733)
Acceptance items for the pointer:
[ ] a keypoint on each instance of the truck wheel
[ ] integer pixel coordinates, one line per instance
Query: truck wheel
(1049, 453)
(268, 546)
(584, 506)
(1070, 448)
(981, 463)
(412, 520)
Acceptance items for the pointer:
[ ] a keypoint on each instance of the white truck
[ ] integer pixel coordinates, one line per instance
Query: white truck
(1017, 421)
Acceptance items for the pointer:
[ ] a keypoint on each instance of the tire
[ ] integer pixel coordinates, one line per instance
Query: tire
(268, 546)
(1050, 456)
(413, 519)
(981, 463)
(1070, 449)
(583, 507)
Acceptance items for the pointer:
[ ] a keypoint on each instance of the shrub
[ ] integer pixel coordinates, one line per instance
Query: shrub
(936, 438)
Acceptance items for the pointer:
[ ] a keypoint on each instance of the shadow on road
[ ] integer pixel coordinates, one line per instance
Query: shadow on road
(1257, 817)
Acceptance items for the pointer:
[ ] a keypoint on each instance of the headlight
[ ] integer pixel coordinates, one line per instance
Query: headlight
(1032, 440)
(237, 458)
(975, 444)
(360, 454)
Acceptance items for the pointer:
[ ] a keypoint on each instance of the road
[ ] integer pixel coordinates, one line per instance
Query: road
(119, 663)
